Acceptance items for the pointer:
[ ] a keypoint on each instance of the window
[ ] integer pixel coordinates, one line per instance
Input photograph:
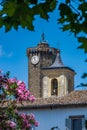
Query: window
(69, 85)
(54, 87)
(75, 123)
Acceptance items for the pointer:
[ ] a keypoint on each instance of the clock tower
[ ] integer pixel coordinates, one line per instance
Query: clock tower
(39, 57)
(47, 75)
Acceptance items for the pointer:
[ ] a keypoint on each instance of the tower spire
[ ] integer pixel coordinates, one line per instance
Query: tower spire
(58, 62)
(43, 40)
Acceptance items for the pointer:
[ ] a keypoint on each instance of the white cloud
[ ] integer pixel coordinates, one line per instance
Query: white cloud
(4, 54)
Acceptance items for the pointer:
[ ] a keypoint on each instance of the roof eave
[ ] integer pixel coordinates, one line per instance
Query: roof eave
(53, 106)
(58, 68)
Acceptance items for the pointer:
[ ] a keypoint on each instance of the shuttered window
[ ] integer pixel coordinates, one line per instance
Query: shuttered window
(68, 124)
(75, 123)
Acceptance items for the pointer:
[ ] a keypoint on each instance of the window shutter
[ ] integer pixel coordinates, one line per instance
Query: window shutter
(68, 124)
(83, 124)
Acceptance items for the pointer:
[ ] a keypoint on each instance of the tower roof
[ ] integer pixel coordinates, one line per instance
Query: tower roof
(58, 62)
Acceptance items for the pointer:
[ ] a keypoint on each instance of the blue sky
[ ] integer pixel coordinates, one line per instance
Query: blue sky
(13, 46)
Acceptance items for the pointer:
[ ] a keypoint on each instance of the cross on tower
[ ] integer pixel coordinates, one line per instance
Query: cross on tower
(43, 36)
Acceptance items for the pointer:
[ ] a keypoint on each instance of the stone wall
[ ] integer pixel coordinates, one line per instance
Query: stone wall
(46, 58)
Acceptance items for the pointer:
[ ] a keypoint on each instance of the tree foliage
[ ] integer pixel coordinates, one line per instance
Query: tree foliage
(15, 13)
(73, 15)
(73, 18)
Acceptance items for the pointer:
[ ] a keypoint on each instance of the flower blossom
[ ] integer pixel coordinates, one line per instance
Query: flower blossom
(11, 88)
(28, 120)
(11, 124)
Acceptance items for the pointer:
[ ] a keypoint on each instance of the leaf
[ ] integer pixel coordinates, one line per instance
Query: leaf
(52, 4)
(40, 10)
(64, 10)
(83, 26)
(66, 27)
(8, 27)
(43, 13)
(86, 60)
(1, 22)
(21, 12)
(9, 8)
(15, 26)
(83, 84)
(82, 0)
(83, 7)
(83, 40)
(61, 20)
(84, 75)
(13, 86)
(33, 1)
(67, 1)
(7, 74)
(29, 22)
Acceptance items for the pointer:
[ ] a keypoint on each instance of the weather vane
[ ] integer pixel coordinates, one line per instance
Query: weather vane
(43, 37)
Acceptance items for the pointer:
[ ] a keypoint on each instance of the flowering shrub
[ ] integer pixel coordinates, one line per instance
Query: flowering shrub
(13, 91)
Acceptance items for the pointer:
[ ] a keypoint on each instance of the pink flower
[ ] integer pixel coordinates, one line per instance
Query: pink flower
(36, 123)
(31, 117)
(31, 98)
(28, 125)
(11, 124)
(23, 115)
(12, 80)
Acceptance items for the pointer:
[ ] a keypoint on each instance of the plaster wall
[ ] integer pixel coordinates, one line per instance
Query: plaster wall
(49, 118)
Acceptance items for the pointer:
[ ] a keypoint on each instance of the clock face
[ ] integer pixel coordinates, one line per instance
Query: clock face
(35, 60)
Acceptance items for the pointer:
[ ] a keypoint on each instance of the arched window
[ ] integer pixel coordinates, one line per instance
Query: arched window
(54, 87)
(69, 85)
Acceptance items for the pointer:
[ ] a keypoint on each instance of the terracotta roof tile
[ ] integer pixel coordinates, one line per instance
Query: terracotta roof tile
(74, 98)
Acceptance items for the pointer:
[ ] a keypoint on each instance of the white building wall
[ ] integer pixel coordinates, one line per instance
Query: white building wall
(49, 118)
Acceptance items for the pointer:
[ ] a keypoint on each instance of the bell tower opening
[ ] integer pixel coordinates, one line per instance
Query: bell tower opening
(54, 87)
(70, 88)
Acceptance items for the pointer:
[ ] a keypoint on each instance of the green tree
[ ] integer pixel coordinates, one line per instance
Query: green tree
(72, 18)
(15, 13)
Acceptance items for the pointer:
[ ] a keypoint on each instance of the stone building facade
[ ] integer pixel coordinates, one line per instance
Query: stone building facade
(47, 75)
